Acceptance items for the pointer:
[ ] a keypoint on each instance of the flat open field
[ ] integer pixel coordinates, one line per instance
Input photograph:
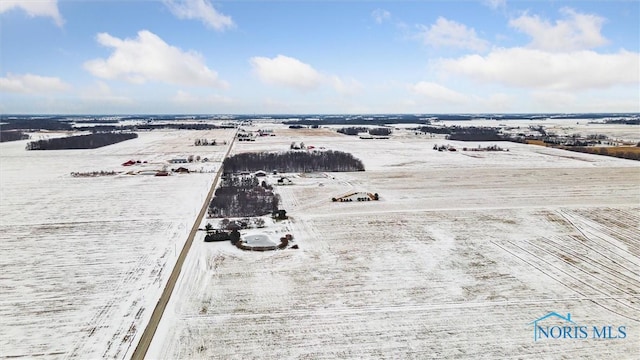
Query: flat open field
(462, 252)
(84, 259)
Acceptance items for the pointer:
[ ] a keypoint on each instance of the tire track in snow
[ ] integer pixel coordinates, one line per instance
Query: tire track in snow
(522, 251)
(97, 321)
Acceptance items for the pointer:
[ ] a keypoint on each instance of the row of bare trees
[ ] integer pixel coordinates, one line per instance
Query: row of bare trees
(90, 141)
(293, 161)
(13, 135)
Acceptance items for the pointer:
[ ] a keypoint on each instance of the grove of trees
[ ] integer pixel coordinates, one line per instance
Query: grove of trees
(243, 197)
(381, 131)
(477, 134)
(90, 141)
(352, 130)
(152, 126)
(35, 124)
(293, 161)
(12, 135)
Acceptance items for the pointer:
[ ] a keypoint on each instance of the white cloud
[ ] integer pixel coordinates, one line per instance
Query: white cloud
(201, 10)
(286, 71)
(553, 100)
(149, 58)
(498, 102)
(46, 8)
(576, 32)
(346, 87)
(380, 15)
(184, 97)
(530, 68)
(290, 72)
(101, 93)
(32, 84)
(438, 93)
(495, 4)
(450, 33)
(440, 98)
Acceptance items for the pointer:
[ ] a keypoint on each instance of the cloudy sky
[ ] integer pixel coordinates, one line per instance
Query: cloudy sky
(302, 56)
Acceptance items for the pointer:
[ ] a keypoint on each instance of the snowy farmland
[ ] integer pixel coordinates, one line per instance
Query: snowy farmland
(84, 259)
(456, 260)
(458, 257)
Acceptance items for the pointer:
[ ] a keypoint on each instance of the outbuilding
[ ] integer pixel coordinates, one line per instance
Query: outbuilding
(181, 170)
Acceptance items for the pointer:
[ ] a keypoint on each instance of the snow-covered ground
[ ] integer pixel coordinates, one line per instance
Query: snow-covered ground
(460, 254)
(83, 260)
(457, 258)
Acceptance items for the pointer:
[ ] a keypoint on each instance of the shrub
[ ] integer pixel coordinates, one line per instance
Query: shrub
(234, 237)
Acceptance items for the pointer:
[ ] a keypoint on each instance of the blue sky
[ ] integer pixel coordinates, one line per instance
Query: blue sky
(252, 56)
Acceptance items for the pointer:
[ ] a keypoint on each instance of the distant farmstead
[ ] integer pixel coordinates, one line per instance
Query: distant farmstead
(357, 196)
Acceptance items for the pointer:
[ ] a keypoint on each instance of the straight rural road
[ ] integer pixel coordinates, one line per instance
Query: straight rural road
(147, 336)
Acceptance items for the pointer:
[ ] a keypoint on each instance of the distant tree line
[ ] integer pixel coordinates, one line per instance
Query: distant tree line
(293, 161)
(12, 135)
(378, 120)
(435, 130)
(35, 124)
(90, 141)
(151, 126)
(241, 196)
(471, 133)
(93, 121)
(623, 152)
(624, 121)
(380, 131)
(477, 134)
(58, 123)
(428, 118)
(352, 130)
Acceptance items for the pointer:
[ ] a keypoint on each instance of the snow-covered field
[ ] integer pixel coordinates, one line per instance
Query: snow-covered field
(462, 252)
(83, 260)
